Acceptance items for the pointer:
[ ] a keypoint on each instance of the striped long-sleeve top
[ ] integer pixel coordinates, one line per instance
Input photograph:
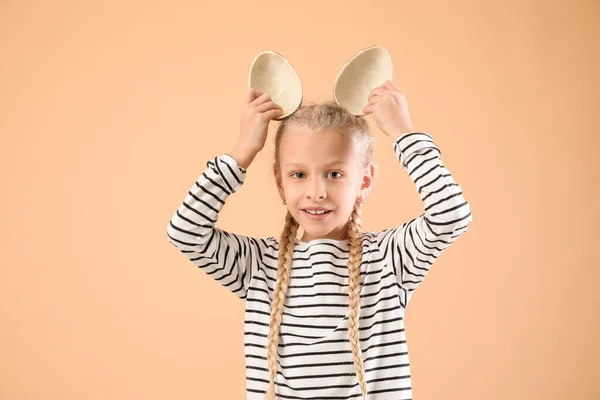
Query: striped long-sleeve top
(315, 359)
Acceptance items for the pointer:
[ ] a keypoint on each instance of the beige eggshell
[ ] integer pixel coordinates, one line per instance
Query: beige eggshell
(366, 70)
(272, 73)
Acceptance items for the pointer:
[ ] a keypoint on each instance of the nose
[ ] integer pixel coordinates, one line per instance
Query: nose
(317, 189)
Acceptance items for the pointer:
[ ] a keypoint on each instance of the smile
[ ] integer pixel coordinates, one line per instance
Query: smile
(316, 215)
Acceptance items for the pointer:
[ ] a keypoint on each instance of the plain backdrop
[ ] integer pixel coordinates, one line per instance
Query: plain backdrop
(110, 110)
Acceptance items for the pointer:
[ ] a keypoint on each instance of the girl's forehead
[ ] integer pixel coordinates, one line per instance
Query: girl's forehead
(309, 148)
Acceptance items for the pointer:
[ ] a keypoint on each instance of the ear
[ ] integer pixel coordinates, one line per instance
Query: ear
(367, 180)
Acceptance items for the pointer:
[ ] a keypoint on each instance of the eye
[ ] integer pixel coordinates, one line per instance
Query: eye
(294, 174)
(337, 172)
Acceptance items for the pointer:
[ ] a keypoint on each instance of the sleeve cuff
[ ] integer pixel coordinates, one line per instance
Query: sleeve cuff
(228, 172)
(412, 143)
(231, 161)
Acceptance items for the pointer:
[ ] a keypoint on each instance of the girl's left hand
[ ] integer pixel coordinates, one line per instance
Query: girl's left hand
(390, 109)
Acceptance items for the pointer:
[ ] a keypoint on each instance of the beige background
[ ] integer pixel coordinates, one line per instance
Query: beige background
(109, 112)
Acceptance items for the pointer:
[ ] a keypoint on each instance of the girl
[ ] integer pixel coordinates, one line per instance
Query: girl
(325, 313)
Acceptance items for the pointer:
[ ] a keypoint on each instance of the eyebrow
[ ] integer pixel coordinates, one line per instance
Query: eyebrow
(302, 165)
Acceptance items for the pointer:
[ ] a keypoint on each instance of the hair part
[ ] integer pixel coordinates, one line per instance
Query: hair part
(325, 117)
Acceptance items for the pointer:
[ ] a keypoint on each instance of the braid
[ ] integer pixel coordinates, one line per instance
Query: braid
(284, 266)
(354, 262)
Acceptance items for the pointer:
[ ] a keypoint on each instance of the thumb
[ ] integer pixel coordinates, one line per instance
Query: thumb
(368, 109)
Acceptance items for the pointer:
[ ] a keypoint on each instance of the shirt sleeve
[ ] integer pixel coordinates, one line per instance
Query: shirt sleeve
(231, 259)
(410, 249)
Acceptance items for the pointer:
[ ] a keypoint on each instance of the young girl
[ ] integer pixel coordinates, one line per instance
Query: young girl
(325, 313)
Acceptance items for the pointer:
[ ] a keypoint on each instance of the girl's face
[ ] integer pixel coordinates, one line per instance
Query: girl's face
(321, 170)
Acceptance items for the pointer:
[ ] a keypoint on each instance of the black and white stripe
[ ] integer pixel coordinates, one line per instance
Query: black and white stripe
(314, 354)
(411, 248)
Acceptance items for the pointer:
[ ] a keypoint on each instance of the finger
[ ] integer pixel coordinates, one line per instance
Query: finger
(388, 84)
(368, 109)
(268, 106)
(379, 90)
(251, 94)
(374, 98)
(392, 87)
(274, 113)
(264, 97)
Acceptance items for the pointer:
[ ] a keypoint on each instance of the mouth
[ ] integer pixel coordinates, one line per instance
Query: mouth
(316, 214)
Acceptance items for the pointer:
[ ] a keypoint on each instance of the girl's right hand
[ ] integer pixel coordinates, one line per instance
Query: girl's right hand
(257, 112)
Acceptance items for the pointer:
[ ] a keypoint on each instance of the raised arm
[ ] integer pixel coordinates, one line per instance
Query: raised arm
(231, 259)
(411, 249)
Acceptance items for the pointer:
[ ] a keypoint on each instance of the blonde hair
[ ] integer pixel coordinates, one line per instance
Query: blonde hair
(321, 118)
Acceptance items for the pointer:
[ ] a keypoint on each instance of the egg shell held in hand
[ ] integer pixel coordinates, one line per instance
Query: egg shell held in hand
(272, 73)
(366, 70)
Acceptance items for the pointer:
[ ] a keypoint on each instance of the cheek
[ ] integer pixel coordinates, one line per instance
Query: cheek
(292, 190)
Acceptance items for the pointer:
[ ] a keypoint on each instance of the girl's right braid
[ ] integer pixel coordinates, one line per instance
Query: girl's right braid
(284, 266)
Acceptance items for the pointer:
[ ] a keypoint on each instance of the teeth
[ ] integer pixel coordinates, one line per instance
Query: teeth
(316, 212)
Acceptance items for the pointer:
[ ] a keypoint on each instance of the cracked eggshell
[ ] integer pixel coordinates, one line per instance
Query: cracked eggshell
(272, 73)
(366, 70)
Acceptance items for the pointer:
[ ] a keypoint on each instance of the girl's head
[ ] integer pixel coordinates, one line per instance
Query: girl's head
(323, 158)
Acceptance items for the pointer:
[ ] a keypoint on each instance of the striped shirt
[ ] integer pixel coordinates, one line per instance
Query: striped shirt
(314, 356)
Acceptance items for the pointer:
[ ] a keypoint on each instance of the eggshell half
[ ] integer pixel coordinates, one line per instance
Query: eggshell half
(272, 73)
(366, 70)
